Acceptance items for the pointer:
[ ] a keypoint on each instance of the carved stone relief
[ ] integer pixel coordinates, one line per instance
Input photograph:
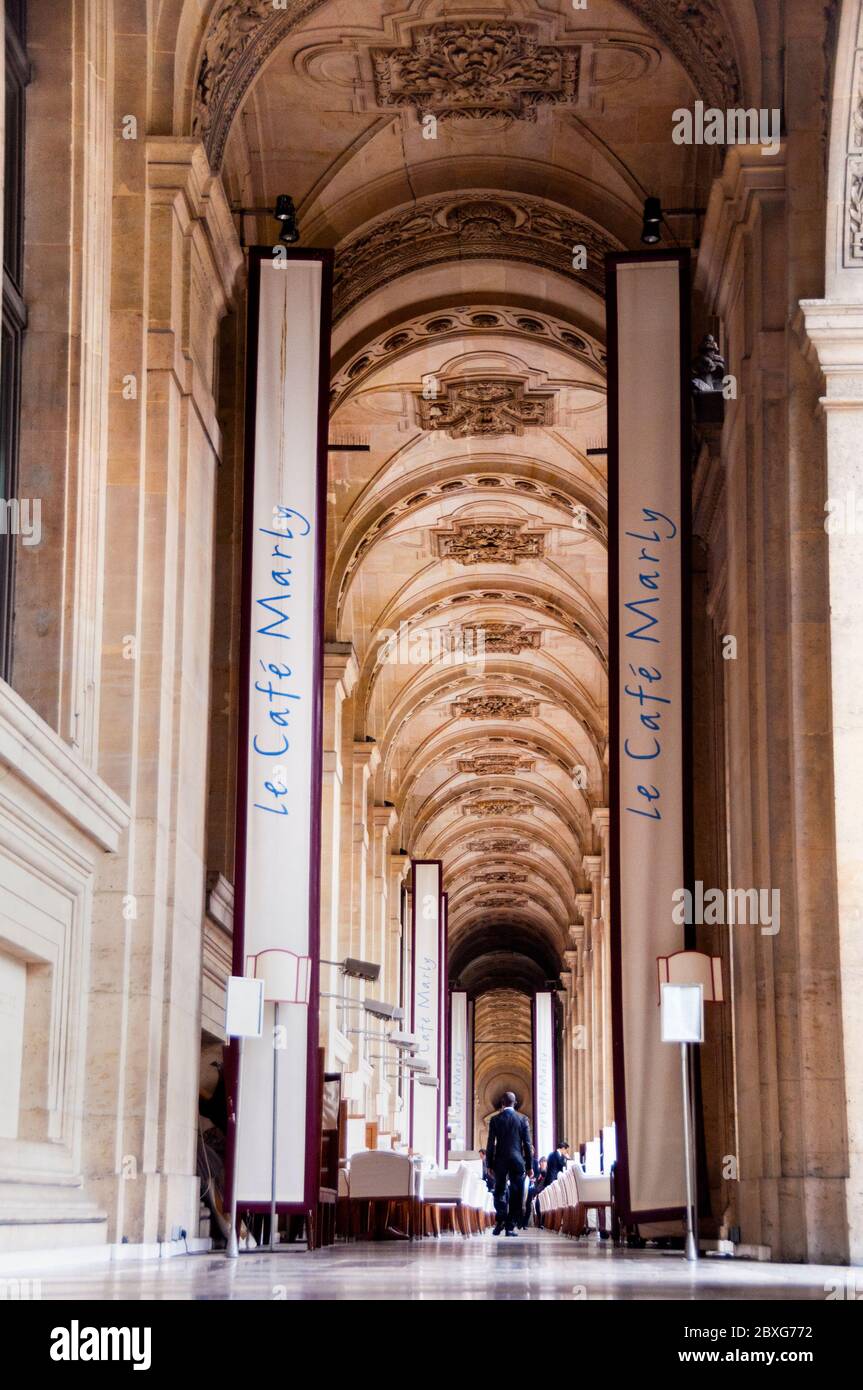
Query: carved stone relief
(490, 542)
(486, 408)
(502, 638)
(476, 68)
(502, 846)
(494, 807)
(495, 763)
(495, 707)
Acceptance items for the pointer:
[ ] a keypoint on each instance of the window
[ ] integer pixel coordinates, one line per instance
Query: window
(14, 314)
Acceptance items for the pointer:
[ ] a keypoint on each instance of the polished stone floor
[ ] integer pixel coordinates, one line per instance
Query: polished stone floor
(536, 1265)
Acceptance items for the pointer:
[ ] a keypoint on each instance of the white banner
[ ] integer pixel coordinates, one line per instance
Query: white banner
(278, 813)
(426, 985)
(544, 1137)
(459, 1069)
(648, 494)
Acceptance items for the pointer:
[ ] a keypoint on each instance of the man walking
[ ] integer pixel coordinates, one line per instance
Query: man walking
(509, 1155)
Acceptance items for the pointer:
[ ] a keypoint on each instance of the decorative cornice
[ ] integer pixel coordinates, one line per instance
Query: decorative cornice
(494, 807)
(500, 846)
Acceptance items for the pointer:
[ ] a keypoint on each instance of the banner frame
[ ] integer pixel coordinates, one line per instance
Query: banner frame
(326, 258)
(441, 1081)
(682, 257)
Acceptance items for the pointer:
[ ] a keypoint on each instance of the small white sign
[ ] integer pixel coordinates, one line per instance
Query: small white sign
(244, 1007)
(682, 1013)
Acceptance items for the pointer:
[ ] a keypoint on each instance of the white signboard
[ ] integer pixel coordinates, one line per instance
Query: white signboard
(649, 534)
(426, 985)
(459, 1074)
(278, 837)
(544, 1137)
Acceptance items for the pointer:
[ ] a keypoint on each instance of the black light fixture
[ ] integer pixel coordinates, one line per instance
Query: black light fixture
(651, 229)
(286, 213)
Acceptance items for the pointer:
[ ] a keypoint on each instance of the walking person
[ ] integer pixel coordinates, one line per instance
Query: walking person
(509, 1155)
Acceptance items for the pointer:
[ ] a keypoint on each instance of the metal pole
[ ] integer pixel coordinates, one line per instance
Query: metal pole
(275, 1126)
(688, 1152)
(232, 1249)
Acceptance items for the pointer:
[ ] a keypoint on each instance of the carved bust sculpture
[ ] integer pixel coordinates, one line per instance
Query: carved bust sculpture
(708, 367)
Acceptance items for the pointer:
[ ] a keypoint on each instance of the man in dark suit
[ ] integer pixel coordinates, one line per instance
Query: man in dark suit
(557, 1160)
(509, 1154)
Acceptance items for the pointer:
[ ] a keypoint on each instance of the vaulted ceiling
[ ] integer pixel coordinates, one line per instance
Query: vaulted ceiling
(472, 164)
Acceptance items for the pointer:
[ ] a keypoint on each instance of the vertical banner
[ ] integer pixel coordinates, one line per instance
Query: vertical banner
(544, 1136)
(426, 985)
(459, 1086)
(650, 785)
(279, 763)
(443, 1034)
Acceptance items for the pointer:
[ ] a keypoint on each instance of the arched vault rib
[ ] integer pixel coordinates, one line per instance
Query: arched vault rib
(572, 615)
(521, 476)
(446, 744)
(427, 689)
(504, 789)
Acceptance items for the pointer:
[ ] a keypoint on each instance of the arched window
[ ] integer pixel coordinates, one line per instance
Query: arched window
(14, 311)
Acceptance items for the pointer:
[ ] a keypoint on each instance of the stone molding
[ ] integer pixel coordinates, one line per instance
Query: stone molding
(35, 754)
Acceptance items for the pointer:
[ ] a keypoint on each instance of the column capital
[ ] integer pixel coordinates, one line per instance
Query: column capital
(600, 820)
(179, 175)
(385, 818)
(831, 332)
(584, 903)
(571, 959)
(366, 755)
(400, 863)
(340, 664)
(566, 980)
(592, 864)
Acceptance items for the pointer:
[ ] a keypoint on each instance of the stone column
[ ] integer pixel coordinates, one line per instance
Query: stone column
(592, 864)
(364, 759)
(835, 331)
(176, 261)
(584, 903)
(576, 936)
(600, 820)
(567, 981)
(340, 676)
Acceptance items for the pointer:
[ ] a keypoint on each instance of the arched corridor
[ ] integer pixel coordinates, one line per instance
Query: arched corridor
(232, 992)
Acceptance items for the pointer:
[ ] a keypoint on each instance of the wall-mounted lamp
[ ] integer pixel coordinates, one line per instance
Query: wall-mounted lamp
(651, 227)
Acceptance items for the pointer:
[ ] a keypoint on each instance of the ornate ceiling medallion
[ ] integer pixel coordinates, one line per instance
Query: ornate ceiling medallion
(490, 542)
(470, 408)
(506, 764)
(495, 707)
(476, 68)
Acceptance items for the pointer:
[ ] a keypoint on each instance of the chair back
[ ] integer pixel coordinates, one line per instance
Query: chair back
(381, 1173)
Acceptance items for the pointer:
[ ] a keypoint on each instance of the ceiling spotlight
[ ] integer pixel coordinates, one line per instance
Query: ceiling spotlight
(360, 969)
(381, 1009)
(414, 1064)
(651, 229)
(406, 1041)
(428, 1080)
(286, 213)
